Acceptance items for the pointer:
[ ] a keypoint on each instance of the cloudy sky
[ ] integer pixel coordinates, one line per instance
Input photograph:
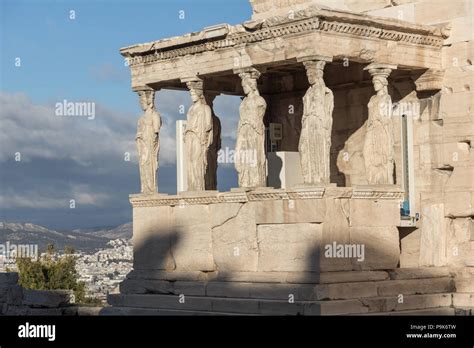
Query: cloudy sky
(50, 54)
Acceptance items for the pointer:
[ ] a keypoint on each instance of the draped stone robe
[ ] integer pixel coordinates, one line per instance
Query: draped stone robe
(198, 138)
(250, 160)
(379, 141)
(148, 146)
(212, 154)
(315, 139)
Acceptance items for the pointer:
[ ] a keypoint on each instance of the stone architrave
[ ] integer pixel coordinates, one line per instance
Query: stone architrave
(316, 124)
(197, 136)
(379, 140)
(148, 143)
(211, 172)
(250, 159)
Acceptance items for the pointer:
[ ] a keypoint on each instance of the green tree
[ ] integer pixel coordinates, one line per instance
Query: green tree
(32, 274)
(50, 249)
(69, 250)
(49, 274)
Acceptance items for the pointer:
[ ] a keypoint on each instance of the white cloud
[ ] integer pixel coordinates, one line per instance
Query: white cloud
(39, 199)
(95, 146)
(36, 132)
(82, 194)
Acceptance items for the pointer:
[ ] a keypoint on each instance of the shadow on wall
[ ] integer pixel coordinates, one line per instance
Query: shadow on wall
(348, 132)
(290, 266)
(276, 167)
(155, 251)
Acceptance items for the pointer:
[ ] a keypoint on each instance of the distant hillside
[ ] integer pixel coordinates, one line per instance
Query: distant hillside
(87, 240)
(121, 231)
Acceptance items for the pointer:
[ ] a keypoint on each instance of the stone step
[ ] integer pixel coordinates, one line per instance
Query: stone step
(251, 306)
(465, 285)
(464, 311)
(157, 312)
(407, 302)
(415, 286)
(28, 311)
(298, 292)
(428, 312)
(352, 276)
(261, 277)
(463, 299)
(291, 277)
(419, 273)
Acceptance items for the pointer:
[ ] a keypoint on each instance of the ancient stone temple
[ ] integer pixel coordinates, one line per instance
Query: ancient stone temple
(374, 105)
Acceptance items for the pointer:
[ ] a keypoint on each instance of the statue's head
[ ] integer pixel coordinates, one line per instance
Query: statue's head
(147, 99)
(314, 71)
(380, 82)
(196, 89)
(249, 85)
(249, 80)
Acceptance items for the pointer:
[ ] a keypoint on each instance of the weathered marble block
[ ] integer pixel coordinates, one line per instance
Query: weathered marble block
(268, 230)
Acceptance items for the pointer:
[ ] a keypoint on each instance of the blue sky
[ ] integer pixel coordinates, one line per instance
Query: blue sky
(78, 60)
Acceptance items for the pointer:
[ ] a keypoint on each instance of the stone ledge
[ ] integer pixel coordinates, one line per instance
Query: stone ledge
(283, 291)
(214, 197)
(425, 312)
(8, 279)
(169, 304)
(137, 311)
(463, 299)
(419, 273)
(47, 298)
(310, 19)
(261, 277)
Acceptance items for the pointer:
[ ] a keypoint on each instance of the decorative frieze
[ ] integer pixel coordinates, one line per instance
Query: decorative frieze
(376, 193)
(336, 25)
(368, 192)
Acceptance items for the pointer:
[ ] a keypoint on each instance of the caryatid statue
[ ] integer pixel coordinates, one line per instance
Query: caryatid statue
(198, 136)
(148, 141)
(379, 140)
(316, 126)
(212, 154)
(250, 158)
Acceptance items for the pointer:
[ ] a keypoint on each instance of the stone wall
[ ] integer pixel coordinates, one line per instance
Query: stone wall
(443, 134)
(227, 233)
(16, 300)
(444, 166)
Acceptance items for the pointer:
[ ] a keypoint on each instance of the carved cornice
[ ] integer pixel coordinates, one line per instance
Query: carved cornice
(140, 200)
(336, 25)
(374, 193)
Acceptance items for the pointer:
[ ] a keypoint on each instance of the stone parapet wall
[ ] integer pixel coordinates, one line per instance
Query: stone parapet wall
(267, 230)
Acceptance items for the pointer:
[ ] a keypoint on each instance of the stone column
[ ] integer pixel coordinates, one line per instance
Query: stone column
(379, 139)
(211, 172)
(148, 140)
(197, 136)
(250, 157)
(316, 124)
